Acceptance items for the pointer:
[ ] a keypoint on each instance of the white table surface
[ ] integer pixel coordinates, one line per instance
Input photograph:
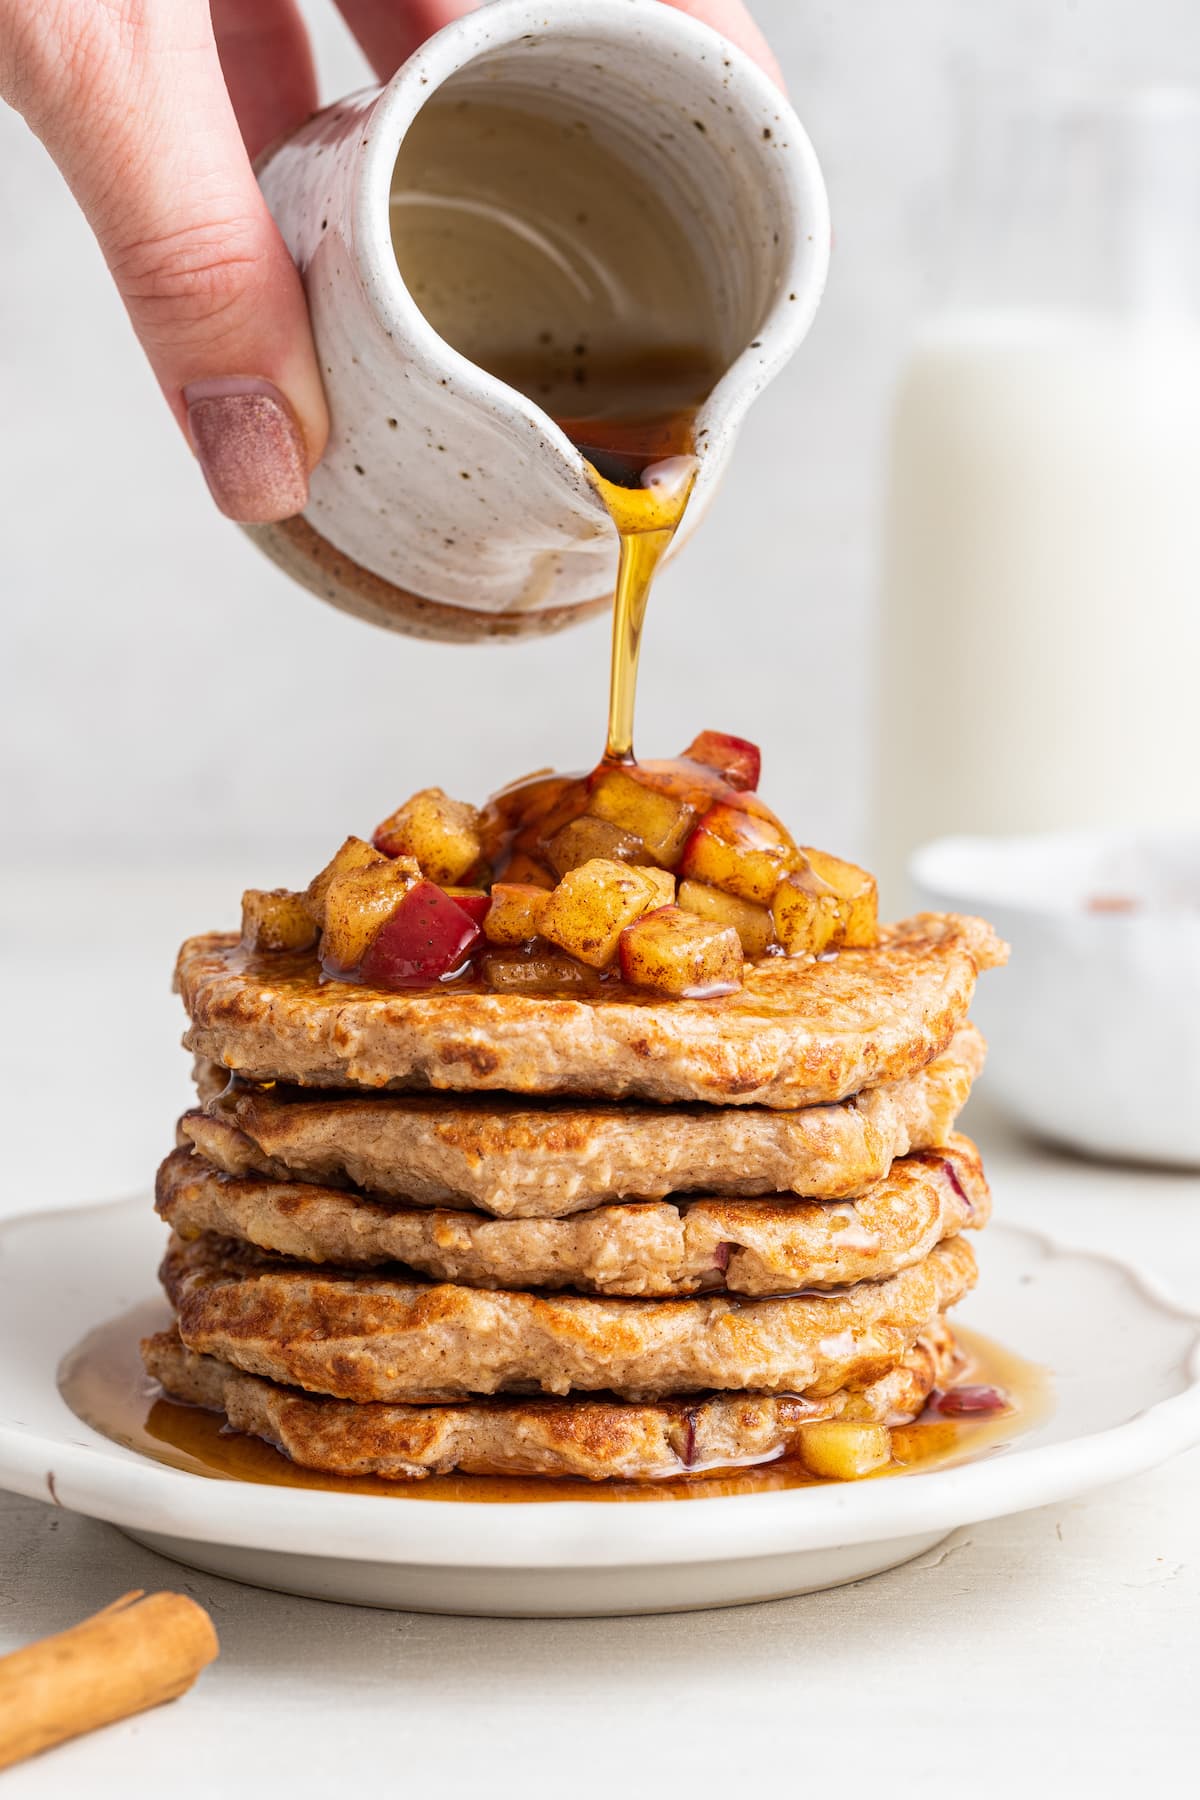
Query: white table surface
(1056, 1652)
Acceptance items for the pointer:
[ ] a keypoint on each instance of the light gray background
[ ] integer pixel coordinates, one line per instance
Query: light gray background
(166, 694)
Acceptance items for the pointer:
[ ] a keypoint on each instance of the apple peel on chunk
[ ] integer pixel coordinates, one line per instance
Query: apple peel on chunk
(427, 937)
(735, 758)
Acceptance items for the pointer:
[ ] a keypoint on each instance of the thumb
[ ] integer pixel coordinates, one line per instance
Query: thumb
(144, 131)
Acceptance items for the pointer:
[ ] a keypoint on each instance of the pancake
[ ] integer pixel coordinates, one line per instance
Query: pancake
(368, 1337)
(516, 1159)
(799, 1033)
(589, 1439)
(646, 1247)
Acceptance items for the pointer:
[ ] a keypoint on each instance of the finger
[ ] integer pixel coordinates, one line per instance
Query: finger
(733, 20)
(135, 111)
(390, 30)
(268, 67)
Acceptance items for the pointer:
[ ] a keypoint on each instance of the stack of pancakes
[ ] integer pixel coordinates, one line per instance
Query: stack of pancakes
(450, 1229)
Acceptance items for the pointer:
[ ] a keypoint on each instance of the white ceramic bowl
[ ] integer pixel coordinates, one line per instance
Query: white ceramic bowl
(1094, 1027)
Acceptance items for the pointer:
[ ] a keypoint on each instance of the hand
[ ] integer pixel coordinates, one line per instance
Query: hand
(153, 110)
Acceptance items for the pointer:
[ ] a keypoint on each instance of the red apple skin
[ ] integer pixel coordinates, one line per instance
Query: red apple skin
(737, 759)
(427, 937)
(474, 903)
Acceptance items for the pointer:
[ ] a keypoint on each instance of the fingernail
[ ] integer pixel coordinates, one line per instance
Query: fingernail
(250, 448)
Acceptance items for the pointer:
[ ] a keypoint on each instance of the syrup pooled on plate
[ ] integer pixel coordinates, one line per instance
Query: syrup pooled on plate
(103, 1382)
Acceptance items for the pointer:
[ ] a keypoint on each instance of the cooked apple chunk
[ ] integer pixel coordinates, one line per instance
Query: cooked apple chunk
(753, 924)
(737, 759)
(539, 972)
(357, 904)
(806, 912)
(837, 1450)
(442, 834)
(424, 938)
(858, 898)
(276, 920)
(591, 906)
(586, 839)
(355, 853)
(515, 913)
(661, 822)
(738, 852)
(675, 953)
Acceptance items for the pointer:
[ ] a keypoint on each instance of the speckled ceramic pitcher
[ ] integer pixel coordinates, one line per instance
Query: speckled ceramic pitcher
(448, 504)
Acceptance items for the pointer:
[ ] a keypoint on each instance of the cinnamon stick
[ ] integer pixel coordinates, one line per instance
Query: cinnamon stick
(137, 1653)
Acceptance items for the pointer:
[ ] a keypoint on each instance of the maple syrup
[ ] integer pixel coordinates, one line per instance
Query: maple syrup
(553, 262)
(103, 1382)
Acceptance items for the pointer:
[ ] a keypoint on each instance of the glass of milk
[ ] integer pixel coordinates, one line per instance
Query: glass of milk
(1040, 637)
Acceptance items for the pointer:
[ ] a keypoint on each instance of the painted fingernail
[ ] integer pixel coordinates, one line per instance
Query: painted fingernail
(250, 448)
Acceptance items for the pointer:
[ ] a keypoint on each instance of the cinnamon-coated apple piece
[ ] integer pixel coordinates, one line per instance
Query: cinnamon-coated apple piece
(675, 953)
(858, 898)
(737, 759)
(358, 903)
(807, 913)
(515, 913)
(659, 820)
(591, 906)
(538, 972)
(753, 924)
(838, 1450)
(442, 834)
(739, 853)
(585, 839)
(355, 853)
(426, 937)
(276, 920)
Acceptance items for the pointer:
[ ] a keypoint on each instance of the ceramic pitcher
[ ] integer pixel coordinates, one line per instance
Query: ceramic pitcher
(447, 504)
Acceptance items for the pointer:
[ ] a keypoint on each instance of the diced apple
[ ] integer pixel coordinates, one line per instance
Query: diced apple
(858, 898)
(674, 952)
(474, 901)
(356, 906)
(659, 820)
(355, 853)
(662, 881)
(529, 872)
(753, 924)
(514, 915)
(537, 972)
(838, 1451)
(276, 920)
(739, 853)
(586, 839)
(590, 908)
(738, 760)
(427, 937)
(806, 913)
(442, 834)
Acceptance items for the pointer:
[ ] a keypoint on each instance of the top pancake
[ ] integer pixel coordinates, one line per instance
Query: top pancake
(798, 1033)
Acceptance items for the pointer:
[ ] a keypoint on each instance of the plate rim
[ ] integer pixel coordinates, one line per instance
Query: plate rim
(144, 1496)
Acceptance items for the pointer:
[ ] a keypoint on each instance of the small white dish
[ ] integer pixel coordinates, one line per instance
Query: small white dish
(1094, 1030)
(1124, 1362)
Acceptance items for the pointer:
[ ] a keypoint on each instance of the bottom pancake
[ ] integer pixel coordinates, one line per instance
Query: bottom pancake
(589, 1439)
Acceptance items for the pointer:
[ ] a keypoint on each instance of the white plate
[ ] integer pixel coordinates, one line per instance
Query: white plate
(1125, 1364)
